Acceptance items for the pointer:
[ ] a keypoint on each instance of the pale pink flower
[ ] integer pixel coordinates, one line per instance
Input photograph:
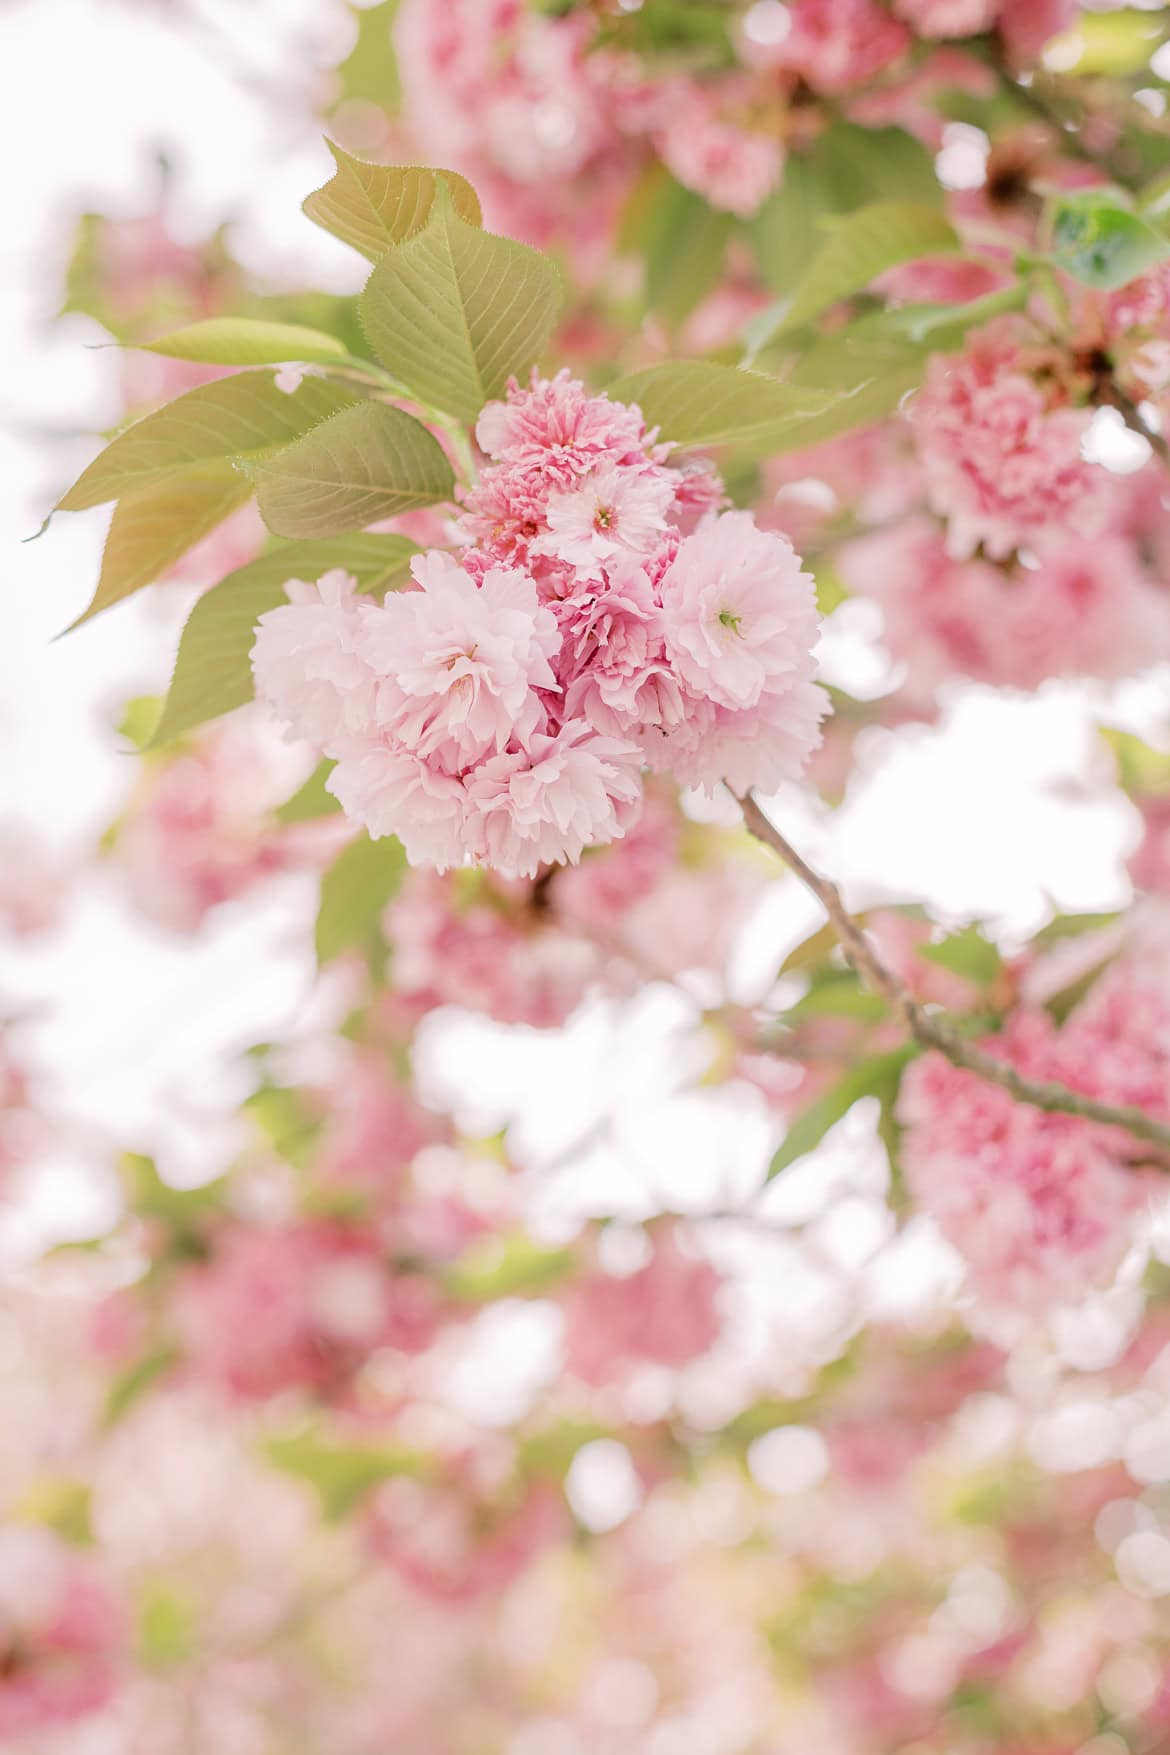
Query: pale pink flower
(457, 663)
(834, 44)
(612, 512)
(739, 615)
(1079, 609)
(948, 18)
(665, 1313)
(757, 747)
(307, 659)
(613, 661)
(392, 791)
(1003, 458)
(547, 803)
(1149, 868)
(300, 1305)
(62, 1634)
(735, 168)
(453, 1542)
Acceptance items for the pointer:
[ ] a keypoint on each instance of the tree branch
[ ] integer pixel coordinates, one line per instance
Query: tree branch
(934, 1030)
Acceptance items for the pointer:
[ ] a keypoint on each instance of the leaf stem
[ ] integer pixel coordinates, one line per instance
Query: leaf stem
(933, 1029)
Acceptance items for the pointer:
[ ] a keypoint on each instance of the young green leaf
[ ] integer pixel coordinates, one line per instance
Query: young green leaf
(310, 801)
(247, 341)
(155, 525)
(967, 953)
(878, 1077)
(857, 250)
(1099, 241)
(455, 312)
(234, 419)
(213, 672)
(374, 207)
(341, 1474)
(354, 891)
(366, 463)
(696, 402)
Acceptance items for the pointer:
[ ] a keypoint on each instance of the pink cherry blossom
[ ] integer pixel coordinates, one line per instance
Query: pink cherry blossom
(613, 657)
(62, 1635)
(739, 615)
(751, 747)
(948, 18)
(547, 803)
(307, 659)
(391, 791)
(458, 662)
(665, 1313)
(834, 44)
(612, 512)
(734, 167)
(1001, 452)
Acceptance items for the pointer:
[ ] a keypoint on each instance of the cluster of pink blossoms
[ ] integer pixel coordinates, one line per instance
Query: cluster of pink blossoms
(1001, 447)
(1042, 1206)
(604, 617)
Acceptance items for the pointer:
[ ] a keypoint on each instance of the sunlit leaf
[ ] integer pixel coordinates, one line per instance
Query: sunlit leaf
(238, 418)
(247, 341)
(455, 312)
(878, 1077)
(373, 207)
(362, 879)
(1098, 240)
(365, 464)
(696, 402)
(341, 1474)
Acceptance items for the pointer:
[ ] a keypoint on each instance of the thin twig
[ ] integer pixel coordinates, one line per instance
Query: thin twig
(933, 1029)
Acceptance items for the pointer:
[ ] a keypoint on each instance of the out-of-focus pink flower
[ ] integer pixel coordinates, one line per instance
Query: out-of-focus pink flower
(32, 883)
(1080, 609)
(948, 18)
(665, 1313)
(1149, 868)
(833, 44)
(1001, 451)
(733, 166)
(62, 1636)
(1042, 1206)
(297, 1306)
(456, 1543)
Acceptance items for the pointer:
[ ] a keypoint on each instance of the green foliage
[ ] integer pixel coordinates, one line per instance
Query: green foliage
(968, 953)
(877, 1077)
(239, 418)
(845, 168)
(837, 993)
(213, 672)
(310, 801)
(374, 207)
(682, 241)
(369, 73)
(1140, 767)
(696, 402)
(369, 462)
(1099, 240)
(858, 249)
(362, 879)
(167, 1631)
(1116, 44)
(342, 1475)
(455, 312)
(154, 526)
(135, 1380)
(507, 1267)
(60, 1504)
(180, 1209)
(247, 341)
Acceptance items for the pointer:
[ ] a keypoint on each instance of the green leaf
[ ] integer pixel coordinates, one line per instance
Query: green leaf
(247, 341)
(149, 1197)
(967, 953)
(310, 801)
(695, 402)
(61, 1504)
(845, 168)
(237, 418)
(507, 1267)
(681, 240)
(341, 1474)
(364, 464)
(156, 525)
(369, 72)
(878, 1077)
(213, 671)
(1140, 767)
(455, 312)
(167, 1627)
(1100, 242)
(1063, 926)
(858, 249)
(836, 993)
(354, 891)
(374, 207)
(1115, 43)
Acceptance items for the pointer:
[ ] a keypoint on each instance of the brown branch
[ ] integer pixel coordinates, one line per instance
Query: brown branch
(933, 1029)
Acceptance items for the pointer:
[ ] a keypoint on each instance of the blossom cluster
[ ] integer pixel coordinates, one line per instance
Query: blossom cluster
(602, 617)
